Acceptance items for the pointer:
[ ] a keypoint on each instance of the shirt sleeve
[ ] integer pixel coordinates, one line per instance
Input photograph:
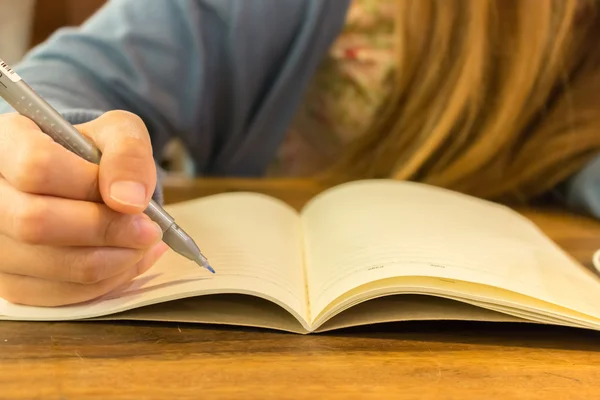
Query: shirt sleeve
(197, 69)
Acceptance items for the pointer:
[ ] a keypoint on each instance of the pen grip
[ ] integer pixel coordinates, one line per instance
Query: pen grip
(27, 103)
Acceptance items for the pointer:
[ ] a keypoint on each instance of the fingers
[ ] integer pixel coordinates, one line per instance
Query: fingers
(59, 244)
(127, 176)
(32, 162)
(125, 180)
(83, 265)
(53, 221)
(31, 290)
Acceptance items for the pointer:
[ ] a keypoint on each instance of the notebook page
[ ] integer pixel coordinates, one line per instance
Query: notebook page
(412, 307)
(252, 241)
(225, 309)
(370, 230)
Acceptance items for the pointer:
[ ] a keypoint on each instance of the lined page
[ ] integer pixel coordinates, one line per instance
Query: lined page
(370, 230)
(253, 242)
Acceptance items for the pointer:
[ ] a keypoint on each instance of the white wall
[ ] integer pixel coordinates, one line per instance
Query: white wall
(16, 17)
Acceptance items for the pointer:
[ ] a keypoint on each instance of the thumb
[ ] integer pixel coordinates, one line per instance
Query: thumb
(127, 173)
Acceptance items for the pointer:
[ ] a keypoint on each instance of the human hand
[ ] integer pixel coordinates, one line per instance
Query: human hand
(70, 230)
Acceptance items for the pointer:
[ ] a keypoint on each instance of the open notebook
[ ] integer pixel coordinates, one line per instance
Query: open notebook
(360, 253)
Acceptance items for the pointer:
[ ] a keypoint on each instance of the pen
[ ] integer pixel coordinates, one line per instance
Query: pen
(28, 103)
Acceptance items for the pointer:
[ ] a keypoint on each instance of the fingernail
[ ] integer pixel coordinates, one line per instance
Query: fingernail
(129, 193)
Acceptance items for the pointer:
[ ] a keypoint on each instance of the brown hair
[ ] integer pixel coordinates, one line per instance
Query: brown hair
(499, 99)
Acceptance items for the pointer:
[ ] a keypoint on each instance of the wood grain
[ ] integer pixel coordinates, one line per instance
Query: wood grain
(409, 360)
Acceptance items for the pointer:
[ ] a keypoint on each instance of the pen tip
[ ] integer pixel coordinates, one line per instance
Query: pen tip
(203, 262)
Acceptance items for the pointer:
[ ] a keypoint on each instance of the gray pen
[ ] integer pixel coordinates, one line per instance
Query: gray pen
(29, 104)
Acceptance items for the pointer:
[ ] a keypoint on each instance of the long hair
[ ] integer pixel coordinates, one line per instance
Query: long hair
(495, 98)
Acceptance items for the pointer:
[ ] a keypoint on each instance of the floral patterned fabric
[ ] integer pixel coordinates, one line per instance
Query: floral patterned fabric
(344, 93)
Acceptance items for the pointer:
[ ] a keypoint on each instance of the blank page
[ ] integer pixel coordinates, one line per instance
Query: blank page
(365, 231)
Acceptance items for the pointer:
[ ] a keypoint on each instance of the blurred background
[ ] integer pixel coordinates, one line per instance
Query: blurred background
(25, 23)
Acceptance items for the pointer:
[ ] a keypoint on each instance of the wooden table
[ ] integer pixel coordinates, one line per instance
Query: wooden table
(410, 360)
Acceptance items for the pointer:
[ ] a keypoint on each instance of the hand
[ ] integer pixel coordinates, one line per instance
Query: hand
(71, 231)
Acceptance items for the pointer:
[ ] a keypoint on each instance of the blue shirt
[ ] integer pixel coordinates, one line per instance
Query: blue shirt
(225, 76)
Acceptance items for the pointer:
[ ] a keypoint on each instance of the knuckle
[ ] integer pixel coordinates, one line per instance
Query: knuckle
(29, 221)
(90, 268)
(32, 170)
(128, 145)
(129, 125)
(85, 275)
(133, 154)
(132, 159)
